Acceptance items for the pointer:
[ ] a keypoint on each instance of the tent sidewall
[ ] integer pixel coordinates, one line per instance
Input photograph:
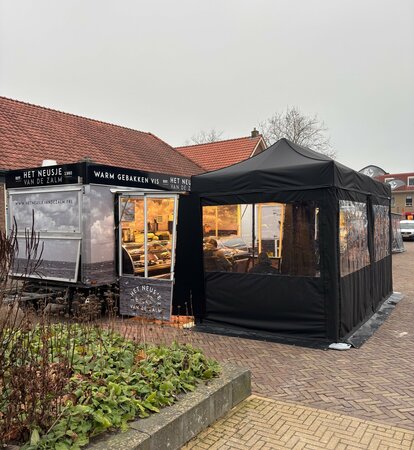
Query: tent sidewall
(347, 301)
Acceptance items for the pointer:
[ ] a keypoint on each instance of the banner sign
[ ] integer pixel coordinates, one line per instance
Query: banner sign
(44, 176)
(117, 176)
(395, 184)
(373, 171)
(87, 173)
(146, 297)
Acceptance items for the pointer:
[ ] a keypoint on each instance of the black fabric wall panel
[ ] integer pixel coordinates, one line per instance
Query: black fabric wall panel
(329, 251)
(189, 282)
(280, 304)
(355, 300)
(382, 281)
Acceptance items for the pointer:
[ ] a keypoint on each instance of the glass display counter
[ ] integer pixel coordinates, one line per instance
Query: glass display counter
(158, 257)
(147, 235)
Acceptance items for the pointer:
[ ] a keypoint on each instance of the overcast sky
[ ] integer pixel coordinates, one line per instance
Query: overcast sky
(177, 67)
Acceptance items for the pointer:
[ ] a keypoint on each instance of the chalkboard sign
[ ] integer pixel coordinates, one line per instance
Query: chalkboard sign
(147, 298)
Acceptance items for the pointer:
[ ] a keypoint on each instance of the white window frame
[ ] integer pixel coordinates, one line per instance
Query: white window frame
(45, 233)
(406, 201)
(77, 241)
(410, 179)
(146, 196)
(52, 235)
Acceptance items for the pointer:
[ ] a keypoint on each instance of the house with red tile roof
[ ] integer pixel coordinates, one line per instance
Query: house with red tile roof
(219, 154)
(30, 134)
(402, 190)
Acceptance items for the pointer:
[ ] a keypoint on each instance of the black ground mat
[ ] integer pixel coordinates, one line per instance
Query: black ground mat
(206, 327)
(356, 339)
(365, 331)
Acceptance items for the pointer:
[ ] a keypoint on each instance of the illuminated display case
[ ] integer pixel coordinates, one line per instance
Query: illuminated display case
(147, 235)
(158, 255)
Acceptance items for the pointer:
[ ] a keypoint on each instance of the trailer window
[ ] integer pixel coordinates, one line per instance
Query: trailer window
(147, 235)
(53, 211)
(59, 260)
(55, 216)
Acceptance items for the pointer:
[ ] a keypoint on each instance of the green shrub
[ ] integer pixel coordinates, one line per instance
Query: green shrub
(96, 380)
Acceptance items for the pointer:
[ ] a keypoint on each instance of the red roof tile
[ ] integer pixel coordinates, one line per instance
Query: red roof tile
(216, 155)
(29, 134)
(398, 176)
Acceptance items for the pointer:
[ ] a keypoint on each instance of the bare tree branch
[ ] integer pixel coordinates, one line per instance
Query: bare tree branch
(204, 137)
(303, 130)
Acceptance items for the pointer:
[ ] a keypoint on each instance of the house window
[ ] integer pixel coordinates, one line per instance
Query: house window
(410, 181)
(408, 201)
(387, 180)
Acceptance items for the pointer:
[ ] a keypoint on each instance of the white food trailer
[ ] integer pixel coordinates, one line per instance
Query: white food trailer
(99, 225)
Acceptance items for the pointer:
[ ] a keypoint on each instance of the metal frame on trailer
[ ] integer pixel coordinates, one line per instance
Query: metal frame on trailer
(52, 235)
(145, 196)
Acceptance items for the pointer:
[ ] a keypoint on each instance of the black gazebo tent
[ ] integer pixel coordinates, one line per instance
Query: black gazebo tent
(332, 240)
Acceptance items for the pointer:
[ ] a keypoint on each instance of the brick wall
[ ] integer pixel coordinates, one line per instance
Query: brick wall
(400, 202)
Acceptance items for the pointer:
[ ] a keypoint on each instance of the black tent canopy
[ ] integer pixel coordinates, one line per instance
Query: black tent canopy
(286, 166)
(324, 227)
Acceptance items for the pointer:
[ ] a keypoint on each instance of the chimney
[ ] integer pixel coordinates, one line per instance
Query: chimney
(255, 133)
(87, 159)
(48, 162)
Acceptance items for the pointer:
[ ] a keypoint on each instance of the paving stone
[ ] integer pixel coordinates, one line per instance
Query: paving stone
(375, 383)
(370, 389)
(331, 432)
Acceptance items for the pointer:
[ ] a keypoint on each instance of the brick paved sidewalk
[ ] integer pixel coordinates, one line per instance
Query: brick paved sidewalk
(361, 399)
(372, 383)
(260, 423)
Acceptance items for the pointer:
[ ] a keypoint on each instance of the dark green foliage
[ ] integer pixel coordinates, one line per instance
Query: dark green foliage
(109, 381)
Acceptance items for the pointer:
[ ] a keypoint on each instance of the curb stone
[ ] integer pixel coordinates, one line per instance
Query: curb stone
(175, 425)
